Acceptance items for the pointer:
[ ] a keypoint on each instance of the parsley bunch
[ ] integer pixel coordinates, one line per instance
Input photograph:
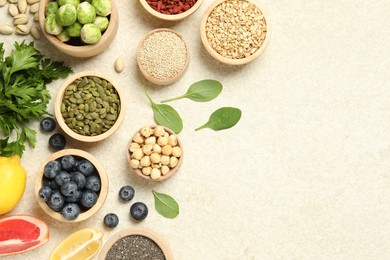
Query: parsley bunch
(23, 94)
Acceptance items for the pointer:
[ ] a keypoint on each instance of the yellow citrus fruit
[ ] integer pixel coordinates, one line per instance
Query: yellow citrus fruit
(12, 182)
(83, 244)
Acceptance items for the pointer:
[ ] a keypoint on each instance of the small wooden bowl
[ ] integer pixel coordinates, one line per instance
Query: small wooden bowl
(99, 170)
(167, 175)
(171, 17)
(83, 51)
(61, 121)
(218, 56)
(158, 239)
(167, 81)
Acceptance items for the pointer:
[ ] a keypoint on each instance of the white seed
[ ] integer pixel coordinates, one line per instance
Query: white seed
(176, 151)
(138, 138)
(155, 158)
(156, 165)
(164, 169)
(164, 160)
(22, 6)
(35, 32)
(147, 149)
(172, 140)
(166, 150)
(31, 2)
(159, 131)
(138, 154)
(150, 140)
(134, 163)
(36, 16)
(22, 29)
(13, 10)
(21, 19)
(134, 146)
(147, 170)
(3, 2)
(6, 29)
(119, 65)
(162, 140)
(156, 148)
(34, 8)
(145, 161)
(173, 162)
(146, 131)
(156, 174)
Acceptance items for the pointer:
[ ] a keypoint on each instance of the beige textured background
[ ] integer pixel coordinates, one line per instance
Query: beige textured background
(305, 173)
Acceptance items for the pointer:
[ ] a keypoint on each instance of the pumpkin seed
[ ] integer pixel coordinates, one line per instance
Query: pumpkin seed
(6, 29)
(31, 2)
(3, 2)
(13, 1)
(119, 65)
(34, 8)
(36, 17)
(97, 80)
(22, 29)
(13, 10)
(35, 32)
(21, 19)
(22, 6)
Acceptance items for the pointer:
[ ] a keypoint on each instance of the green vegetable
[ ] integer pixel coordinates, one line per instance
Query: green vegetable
(102, 22)
(72, 2)
(166, 115)
(102, 7)
(90, 33)
(23, 94)
(51, 8)
(201, 91)
(63, 36)
(74, 29)
(51, 25)
(223, 118)
(86, 13)
(165, 205)
(66, 15)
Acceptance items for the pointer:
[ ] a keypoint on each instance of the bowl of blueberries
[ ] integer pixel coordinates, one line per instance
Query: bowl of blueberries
(71, 185)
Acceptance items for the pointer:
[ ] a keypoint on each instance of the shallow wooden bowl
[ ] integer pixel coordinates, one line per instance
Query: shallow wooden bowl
(171, 17)
(167, 175)
(218, 56)
(61, 121)
(154, 80)
(83, 51)
(158, 239)
(99, 170)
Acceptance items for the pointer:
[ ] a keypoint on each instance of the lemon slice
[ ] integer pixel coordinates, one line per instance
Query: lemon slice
(83, 244)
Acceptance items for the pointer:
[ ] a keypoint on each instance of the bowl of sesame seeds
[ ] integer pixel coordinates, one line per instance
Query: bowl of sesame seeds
(235, 32)
(162, 56)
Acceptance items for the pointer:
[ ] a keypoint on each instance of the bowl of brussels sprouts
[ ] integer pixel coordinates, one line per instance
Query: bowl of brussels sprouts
(79, 28)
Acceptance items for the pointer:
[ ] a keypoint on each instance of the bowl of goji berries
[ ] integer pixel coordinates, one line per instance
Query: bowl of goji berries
(171, 10)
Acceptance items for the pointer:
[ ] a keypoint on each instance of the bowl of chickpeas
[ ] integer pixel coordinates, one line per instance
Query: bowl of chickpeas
(155, 153)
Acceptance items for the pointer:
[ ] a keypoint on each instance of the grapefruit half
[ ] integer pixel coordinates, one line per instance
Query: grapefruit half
(21, 233)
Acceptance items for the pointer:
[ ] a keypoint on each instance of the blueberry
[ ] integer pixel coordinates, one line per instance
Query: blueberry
(126, 193)
(62, 178)
(88, 198)
(67, 162)
(57, 141)
(93, 183)
(51, 169)
(111, 220)
(70, 211)
(85, 167)
(69, 188)
(47, 124)
(139, 211)
(56, 201)
(74, 198)
(45, 193)
(79, 179)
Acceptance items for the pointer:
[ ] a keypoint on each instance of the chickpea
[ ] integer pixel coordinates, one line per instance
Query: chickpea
(150, 140)
(164, 169)
(156, 165)
(147, 170)
(164, 160)
(156, 148)
(173, 162)
(167, 150)
(159, 131)
(134, 146)
(146, 131)
(134, 163)
(155, 174)
(176, 151)
(147, 149)
(145, 161)
(138, 138)
(172, 140)
(162, 140)
(155, 157)
(138, 154)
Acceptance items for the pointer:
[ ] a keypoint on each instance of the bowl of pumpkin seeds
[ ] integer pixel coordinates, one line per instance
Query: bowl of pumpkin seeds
(89, 106)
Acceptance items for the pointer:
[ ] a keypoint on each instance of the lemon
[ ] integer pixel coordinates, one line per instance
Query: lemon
(83, 244)
(12, 182)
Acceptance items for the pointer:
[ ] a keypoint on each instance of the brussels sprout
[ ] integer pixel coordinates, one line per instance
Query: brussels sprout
(63, 36)
(72, 2)
(73, 30)
(51, 25)
(66, 15)
(51, 8)
(102, 7)
(102, 22)
(90, 33)
(85, 13)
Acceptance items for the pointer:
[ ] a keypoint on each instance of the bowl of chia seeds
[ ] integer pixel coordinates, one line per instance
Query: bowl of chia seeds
(136, 243)
(89, 106)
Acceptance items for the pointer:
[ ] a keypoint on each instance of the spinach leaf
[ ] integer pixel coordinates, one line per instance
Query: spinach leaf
(223, 118)
(201, 91)
(166, 115)
(165, 205)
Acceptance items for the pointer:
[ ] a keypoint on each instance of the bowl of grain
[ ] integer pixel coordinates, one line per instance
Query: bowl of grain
(155, 153)
(168, 10)
(89, 106)
(162, 56)
(235, 32)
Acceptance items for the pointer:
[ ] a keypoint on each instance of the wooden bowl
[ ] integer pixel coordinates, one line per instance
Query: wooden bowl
(227, 60)
(61, 121)
(171, 17)
(99, 170)
(154, 80)
(163, 177)
(158, 239)
(83, 51)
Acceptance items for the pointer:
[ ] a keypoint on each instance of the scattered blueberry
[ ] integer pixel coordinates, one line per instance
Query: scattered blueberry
(74, 198)
(79, 179)
(88, 198)
(93, 183)
(62, 178)
(70, 211)
(48, 124)
(57, 141)
(51, 169)
(111, 220)
(85, 167)
(56, 201)
(67, 162)
(139, 211)
(69, 188)
(45, 193)
(126, 193)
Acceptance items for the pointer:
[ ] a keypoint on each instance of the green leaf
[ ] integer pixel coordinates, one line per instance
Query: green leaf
(165, 205)
(201, 91)
(30, 136)
(223, 118)
(166, 115)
